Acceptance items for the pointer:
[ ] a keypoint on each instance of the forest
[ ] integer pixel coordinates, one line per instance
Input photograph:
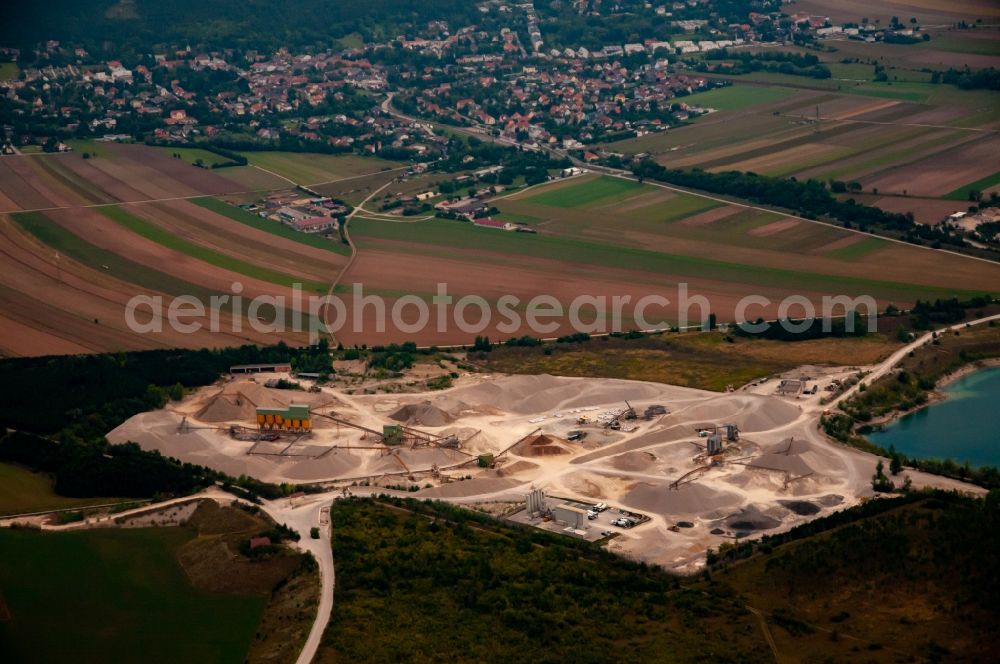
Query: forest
(846, 587)
(133, 26)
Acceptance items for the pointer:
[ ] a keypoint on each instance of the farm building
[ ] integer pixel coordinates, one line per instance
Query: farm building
(295, 417)
(314, 224)
(494, 223)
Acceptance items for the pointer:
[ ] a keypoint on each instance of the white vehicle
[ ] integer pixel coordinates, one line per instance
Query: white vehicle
(599, 507)
(591, 514)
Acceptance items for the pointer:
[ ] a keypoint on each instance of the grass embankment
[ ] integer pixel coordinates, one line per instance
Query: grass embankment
(165, 238)
(705, 361)
(461, 587)
(23, 491)
(737, 96)
(160, 594)
(272, 227)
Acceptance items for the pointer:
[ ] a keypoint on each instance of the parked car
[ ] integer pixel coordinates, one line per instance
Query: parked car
(591, 514)
(600, 507)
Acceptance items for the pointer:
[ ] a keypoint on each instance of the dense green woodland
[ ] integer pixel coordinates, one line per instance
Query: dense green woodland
(431, 582)
(458, 586)
(263, 25)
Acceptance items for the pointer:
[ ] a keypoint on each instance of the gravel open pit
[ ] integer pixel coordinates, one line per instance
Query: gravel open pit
(686, 499)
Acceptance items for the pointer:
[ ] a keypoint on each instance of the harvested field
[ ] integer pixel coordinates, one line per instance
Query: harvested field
(309, 169)
(775, 227)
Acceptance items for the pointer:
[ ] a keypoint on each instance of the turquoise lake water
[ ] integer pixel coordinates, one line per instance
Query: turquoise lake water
(964, 427)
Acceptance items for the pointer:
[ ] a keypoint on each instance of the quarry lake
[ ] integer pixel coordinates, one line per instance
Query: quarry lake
(964, 427)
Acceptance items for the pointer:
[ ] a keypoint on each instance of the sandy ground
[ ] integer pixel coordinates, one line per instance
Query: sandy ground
(783, 471)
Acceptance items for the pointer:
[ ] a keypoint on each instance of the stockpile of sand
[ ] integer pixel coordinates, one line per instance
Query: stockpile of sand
(542, 445)
(423, 414)
(801, 507)
(634, 461)
(520, 466)
(236, 401)
(239, 401)
(686, 499)
(790, 463)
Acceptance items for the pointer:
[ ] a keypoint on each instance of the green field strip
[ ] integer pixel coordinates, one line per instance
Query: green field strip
(165, 238)
(115, 593)
(736, 97)
(803, 164)
(516, 218)
(442, 238)
(677, 208)
(22, 490)
(272, 227)
(858, 250)
(88, 191)
(603, 189)
(962, 193)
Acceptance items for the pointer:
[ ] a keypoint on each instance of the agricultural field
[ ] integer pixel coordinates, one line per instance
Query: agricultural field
(84, 236)
(23, 491)
(735, 98)
(644, 240)
(929, 11)
(172, 592)
(115, 592)
(313, 169)
(916, 146)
